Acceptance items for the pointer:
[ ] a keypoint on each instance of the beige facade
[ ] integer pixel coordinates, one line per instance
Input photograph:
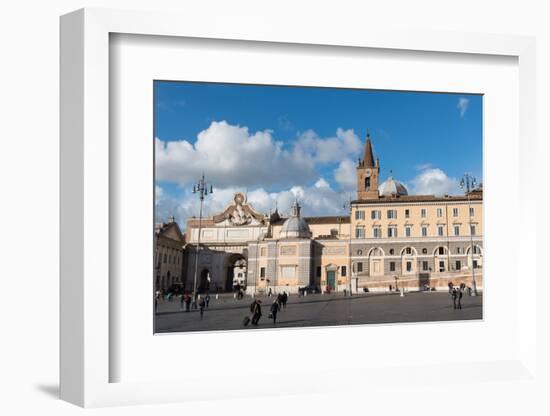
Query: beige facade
(169, 255)
(389, 240)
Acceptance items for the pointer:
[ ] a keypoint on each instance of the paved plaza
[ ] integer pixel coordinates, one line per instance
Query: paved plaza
(227, 313)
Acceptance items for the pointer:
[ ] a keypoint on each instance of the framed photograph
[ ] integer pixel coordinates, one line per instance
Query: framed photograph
(299, 206)
(315, 220)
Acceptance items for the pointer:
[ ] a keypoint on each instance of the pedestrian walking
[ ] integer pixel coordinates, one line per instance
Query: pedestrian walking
(187, 302)
(459, 299)
(202, 304)
(256, 309)
(273, 311)
(454, 295)
(207, 300)
(284, 299)
(182, 301)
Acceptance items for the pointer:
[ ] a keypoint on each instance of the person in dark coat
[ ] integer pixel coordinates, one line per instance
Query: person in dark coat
(284, 299)
(454, 295)
(256, 309)
(459, 299)
(275, 307)
(187, 302)
(202, 304)
(207, 300)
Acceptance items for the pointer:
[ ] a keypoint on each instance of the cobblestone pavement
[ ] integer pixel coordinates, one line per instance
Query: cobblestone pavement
(227, 313)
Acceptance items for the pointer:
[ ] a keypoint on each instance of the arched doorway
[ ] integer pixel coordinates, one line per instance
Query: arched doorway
(236, 272)
(204, 282)
(478, 257)
(376, 262)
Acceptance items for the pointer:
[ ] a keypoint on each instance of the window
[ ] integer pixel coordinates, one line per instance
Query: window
(425, 265)
(476, 250)
(359, 232)
(344, 270)
(262, 272)
(392, 266)
(472, 229)
(409, 266)
(472, 211)
(455, 212)
(424, 251)
(367, 183)
(407, 213)
(359, 215)
(424, 231)
(458, 265)
(164, 258)
(318, 271)
(391, 251)
(392, 232)
(475, 264)
(457, 230)
(408, 250)
(439, 212)
(359, 267)
(376, 232)
(407, 231)
(359, 252)
(423, 212)
(459, 250)
(440, 231)
(375, 215)
(392, 214)
(441, 250)
(288, 272)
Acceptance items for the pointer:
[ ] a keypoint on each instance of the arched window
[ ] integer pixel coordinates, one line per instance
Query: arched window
(367, 184)
(376, 252)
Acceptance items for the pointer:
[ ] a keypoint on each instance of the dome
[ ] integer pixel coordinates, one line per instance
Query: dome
(295, 226)
(392, 187)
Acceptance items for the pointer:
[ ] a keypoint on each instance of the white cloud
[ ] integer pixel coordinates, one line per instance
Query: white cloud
(345, 174)
(233, 156)
(159, 192)
(433, 181)
(330, 149)
(462, 106)
(318, 199)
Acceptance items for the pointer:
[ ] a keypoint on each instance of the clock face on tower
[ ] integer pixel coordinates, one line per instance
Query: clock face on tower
(368, 172)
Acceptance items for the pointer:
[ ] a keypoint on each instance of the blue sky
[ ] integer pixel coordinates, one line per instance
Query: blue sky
(428, 140)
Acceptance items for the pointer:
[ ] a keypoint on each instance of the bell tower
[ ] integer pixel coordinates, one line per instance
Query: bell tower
(367, 173)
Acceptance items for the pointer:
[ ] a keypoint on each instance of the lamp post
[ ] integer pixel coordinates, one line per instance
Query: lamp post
(349, 245)
(469, 183)
(201, 188)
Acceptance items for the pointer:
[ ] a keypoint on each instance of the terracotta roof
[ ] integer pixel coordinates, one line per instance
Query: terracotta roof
(318, 220)
(369, 157)
(474, 196)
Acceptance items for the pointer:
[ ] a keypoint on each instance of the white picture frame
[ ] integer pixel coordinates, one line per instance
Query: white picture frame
(85, 352)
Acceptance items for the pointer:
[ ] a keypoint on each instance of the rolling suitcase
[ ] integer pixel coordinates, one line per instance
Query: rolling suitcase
(246, 320)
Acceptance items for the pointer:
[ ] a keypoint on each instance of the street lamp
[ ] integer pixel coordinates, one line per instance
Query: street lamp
(201, 188)
(349, 245)
(469, 183)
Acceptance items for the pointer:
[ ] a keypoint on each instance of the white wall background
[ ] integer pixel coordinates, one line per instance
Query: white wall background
(29, 203)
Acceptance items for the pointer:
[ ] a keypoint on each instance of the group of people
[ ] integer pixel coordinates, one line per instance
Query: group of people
(256, 309)
(456, 294)
(187, 302)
